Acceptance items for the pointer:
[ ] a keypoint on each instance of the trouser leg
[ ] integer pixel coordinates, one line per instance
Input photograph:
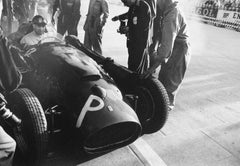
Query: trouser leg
(132, 64)
(73, 27)
(61, 26)
(87, 41)
(97, 41)
(172, 73)
(7, 148)
(137, 60)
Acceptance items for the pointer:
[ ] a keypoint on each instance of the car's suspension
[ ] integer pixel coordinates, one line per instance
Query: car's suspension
(51, 115)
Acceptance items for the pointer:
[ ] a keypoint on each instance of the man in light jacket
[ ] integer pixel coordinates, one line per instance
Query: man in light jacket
(172, 52)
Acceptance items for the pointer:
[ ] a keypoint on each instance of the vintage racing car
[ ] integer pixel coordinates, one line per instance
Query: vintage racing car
(71, 90)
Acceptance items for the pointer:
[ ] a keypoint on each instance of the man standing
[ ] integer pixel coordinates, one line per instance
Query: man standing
(173, 51)
(96, 19)
(7, 16)
(139, 18)
(69, 16)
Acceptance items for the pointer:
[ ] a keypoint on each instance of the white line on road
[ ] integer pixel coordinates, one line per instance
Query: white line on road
(146, 154)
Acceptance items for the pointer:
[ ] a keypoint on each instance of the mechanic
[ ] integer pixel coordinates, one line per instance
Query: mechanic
(69, 16)
(39, 32)
(98, 13)
(173, 49)
(139, 23)
(10, 78)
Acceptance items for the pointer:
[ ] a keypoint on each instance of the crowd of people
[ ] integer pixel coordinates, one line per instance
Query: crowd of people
(230, 5)
(156, 34)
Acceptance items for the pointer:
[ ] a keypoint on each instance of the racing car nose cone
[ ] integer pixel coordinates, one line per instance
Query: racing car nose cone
(107, 122)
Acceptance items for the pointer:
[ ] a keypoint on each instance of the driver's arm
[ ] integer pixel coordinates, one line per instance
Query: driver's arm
(24, 43)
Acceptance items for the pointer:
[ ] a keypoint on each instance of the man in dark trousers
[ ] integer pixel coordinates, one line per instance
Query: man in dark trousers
(172, 52)
(69, 16)
(139, 22)
(10, 79)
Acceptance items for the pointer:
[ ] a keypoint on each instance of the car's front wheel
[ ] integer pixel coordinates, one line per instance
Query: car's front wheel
(31, 136)
(150, 101)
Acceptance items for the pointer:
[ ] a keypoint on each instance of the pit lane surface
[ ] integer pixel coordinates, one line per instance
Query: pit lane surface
(204, 127)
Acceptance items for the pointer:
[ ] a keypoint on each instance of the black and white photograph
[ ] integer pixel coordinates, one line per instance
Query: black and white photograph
(119, 83)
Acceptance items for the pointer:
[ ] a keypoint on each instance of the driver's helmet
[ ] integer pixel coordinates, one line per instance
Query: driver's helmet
(39, 20)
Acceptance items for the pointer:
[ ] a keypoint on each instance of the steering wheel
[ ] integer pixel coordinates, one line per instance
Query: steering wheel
(56, 39)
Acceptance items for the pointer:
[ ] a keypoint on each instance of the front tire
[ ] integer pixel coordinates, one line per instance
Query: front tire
(151, 105)
(31, 137)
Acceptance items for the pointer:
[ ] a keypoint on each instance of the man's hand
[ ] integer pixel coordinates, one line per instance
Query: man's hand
(147, 73)
(53, 21)
(152, 67)
(115, 18)
(155, 62)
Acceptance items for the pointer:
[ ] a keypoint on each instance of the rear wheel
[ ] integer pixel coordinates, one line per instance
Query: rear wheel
(31, 136)
(151, 104)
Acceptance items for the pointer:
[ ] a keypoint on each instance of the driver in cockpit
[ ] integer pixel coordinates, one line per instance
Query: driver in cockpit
(39, 32)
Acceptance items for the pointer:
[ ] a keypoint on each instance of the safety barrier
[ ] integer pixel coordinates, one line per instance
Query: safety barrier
(227, 17)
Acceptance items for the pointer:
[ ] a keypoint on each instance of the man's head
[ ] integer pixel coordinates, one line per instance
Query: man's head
(39, 24)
